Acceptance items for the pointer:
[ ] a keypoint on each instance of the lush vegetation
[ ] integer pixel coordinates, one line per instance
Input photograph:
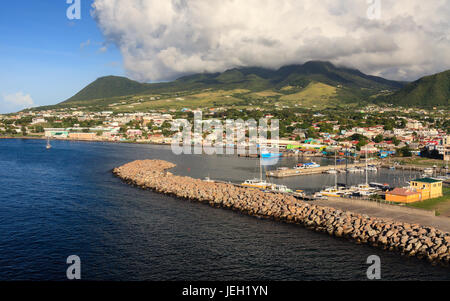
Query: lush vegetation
(315, 83)
(429, 91)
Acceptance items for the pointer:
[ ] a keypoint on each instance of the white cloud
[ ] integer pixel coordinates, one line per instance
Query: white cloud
(161, 40)
(15, 102)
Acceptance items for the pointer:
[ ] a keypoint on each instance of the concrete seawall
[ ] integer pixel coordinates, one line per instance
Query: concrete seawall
(408, 239)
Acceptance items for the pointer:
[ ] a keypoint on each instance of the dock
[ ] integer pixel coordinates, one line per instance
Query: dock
(312, 171)
(438, 170)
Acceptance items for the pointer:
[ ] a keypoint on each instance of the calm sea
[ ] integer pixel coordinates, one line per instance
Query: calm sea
(65, 201)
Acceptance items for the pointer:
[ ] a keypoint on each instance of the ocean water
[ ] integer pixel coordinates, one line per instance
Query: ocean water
(65, 201)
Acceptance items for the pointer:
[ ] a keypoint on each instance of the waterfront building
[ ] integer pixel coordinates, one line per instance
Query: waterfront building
(428, 188)
(403, 195)
(56, 133)
(83, 136)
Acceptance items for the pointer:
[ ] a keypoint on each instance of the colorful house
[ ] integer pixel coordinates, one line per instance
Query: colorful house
(403, 195)
(419, 190)
(428, 188)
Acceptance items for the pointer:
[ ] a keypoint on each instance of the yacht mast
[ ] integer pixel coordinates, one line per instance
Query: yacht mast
(335, 169)
(367, 167)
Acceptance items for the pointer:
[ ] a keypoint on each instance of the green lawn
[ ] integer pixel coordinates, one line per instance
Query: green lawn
(423, 162)
(441, 205)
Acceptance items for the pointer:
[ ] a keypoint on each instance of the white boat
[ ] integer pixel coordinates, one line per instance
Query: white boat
(331, 171)
(280, 188)
(372, 168)
(207, 179)
(48, 146)
(320, 196)
(256, 183)
(428, 171)
(311, 165)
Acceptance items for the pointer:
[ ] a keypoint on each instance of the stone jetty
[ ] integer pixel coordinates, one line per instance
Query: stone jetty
(408, 239)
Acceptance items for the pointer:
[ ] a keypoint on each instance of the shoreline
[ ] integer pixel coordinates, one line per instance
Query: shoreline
(407, 239)
(81, 140)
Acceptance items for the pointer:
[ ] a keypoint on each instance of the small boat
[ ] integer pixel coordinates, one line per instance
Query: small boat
(372, 168)
(331, 171)
(428, 171)
(311, 165)
(383, 187)
(331, 192)
(319, 196)
(363, 190)
(299, 193)
(207, 179)
(265, 153)
(280, 188)
(256, 183)
(48, 146)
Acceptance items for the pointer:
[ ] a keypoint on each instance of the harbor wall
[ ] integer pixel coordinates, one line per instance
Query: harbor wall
(407, 239)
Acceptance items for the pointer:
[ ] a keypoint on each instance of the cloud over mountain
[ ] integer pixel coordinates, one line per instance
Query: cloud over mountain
(15, 101)
(161, 40)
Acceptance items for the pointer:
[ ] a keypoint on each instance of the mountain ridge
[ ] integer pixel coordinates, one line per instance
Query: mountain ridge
(357, 84)
(428, 91)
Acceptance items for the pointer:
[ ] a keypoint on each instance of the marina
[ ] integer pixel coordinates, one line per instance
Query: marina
(379, 232)
(315, 170)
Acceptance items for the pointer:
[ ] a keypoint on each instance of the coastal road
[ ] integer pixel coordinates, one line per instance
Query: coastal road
(396, 214)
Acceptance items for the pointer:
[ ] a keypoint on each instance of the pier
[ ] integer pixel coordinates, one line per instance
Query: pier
(312, 171)
(438, 170)
(408, 239)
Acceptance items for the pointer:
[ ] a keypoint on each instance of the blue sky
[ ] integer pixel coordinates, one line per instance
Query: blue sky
(46, 58)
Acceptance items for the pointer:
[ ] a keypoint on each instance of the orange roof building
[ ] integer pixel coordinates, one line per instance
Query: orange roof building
(403, 195)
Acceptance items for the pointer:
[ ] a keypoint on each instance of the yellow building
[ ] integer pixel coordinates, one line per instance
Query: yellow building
(428, 188)
(83, 136)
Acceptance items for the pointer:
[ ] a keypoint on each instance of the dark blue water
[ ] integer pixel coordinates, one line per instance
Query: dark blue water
(65, 201)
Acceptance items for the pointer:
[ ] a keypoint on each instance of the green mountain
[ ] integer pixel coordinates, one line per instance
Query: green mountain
(429, 91)
(109, 86)
(343, 84)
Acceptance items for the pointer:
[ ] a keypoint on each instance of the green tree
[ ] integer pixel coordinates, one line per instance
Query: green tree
(378, 138)
(312, 133)
(405, 151)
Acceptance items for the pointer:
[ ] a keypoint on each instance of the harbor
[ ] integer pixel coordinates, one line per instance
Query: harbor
(424, 242)
(157, 224)
(291, 172)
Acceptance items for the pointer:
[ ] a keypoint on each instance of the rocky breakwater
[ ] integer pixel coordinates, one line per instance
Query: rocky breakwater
(408, 239)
